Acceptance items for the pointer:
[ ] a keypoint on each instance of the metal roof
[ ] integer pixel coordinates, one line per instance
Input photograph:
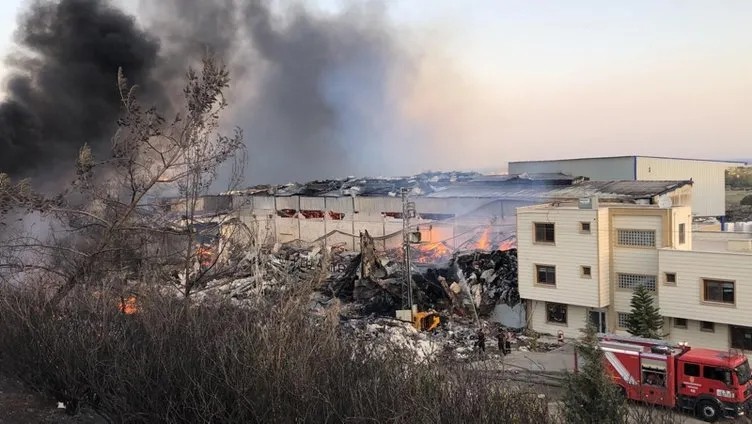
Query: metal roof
(630, 156)
(617, 190)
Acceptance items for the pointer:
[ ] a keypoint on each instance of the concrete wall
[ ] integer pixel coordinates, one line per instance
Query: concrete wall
(617, 168)
(709, 188)
(339, 221)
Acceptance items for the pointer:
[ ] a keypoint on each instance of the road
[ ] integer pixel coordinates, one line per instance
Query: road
(546, 369)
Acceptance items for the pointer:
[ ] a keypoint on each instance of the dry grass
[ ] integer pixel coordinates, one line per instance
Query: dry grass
(222, 364)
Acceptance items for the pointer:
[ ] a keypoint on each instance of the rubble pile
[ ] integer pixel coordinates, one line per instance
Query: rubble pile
(485, 278)
(390, 335)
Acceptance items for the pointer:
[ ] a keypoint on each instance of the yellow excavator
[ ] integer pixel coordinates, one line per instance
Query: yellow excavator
(427, 320)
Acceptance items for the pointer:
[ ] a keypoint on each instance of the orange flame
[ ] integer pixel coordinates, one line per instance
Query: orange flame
(484, 242)
(507, 245)
(432, 251)
(128, 306)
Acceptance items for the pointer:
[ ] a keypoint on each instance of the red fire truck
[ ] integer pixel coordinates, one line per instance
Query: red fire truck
(709, 383)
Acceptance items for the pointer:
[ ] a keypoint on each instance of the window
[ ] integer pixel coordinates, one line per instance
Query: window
(545, 274)
(556, 313)
(741, 337)
(682, 233)
(707, 326)
(640, 238)
(654, 376)
(622, 320)
(691, 370)
(670, 278)
(718, 291)
(586, 271)
(680, 323)
(585, 227)
(631, 281)
(544, 232)
(716, 373)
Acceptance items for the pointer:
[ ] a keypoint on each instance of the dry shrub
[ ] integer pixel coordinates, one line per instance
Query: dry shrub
(218, 363)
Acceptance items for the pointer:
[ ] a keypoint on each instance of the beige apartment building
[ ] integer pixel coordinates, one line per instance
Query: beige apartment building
(581, 261)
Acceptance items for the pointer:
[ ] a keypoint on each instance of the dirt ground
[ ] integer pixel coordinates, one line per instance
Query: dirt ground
(18, 405)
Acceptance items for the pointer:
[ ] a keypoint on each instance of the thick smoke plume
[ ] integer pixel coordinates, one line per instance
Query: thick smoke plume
(62, 88)
(318, 95)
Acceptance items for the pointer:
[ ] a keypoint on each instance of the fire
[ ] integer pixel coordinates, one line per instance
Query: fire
(432, 251)
(507, 245)
(128, 306)
(484, 242)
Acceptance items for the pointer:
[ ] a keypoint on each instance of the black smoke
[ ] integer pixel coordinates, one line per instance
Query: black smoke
(62, 91)
(310, 89)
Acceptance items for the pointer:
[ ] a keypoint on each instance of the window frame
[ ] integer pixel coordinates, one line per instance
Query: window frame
(682, 233)
(707, 330)
(619, 316)
(704, 291)
(666, 278)
(582, 227)
(566, 313)
(618, 243)
(692, 364)
(681, 326)
(537, 275)
(588, 274)
(747, 330)
(620, 274)
(544, 224)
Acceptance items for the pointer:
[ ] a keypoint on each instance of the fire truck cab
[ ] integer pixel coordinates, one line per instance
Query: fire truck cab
(709, 383)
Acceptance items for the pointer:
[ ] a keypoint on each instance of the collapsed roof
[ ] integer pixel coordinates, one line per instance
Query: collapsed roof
(543, 186)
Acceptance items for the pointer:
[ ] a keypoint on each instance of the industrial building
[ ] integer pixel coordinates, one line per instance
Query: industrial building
(709, 188)
(453, 212)
(579, 262)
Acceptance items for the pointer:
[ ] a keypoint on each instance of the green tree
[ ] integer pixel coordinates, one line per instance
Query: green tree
(747, 200)
(591, 396)
(644, 319)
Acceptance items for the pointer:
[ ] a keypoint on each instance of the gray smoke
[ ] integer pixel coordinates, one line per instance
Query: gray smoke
(310, 90)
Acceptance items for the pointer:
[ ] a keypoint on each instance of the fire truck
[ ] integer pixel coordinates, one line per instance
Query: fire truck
(708, 383)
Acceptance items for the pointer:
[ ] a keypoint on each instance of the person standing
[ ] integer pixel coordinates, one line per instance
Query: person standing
(481, 341)
(503, 342)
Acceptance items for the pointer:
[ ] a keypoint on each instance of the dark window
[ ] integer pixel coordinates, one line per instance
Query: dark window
(680, 322)
(585, 227)
(586, 271)
(545, 274)
(707, 326)
(556, 313)
(544, 233)
(682, 234)
(716, 373)
(671, 278)
(718, 291)
(691, 370)
(741, 337)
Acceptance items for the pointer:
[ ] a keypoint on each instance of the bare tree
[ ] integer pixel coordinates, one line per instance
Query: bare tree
(112, 223)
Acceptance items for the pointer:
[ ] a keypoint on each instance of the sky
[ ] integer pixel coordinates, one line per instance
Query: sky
(535, 79)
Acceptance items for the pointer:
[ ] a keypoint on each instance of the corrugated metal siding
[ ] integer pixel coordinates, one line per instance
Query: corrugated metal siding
(709, 188)
(683, 300)
(618, 168)
(572, 250)
(576, 319)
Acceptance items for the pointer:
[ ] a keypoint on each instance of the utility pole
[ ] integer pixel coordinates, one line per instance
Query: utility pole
(408, 211)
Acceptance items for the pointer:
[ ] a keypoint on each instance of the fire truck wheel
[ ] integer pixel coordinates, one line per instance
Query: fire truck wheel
(708, 411)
